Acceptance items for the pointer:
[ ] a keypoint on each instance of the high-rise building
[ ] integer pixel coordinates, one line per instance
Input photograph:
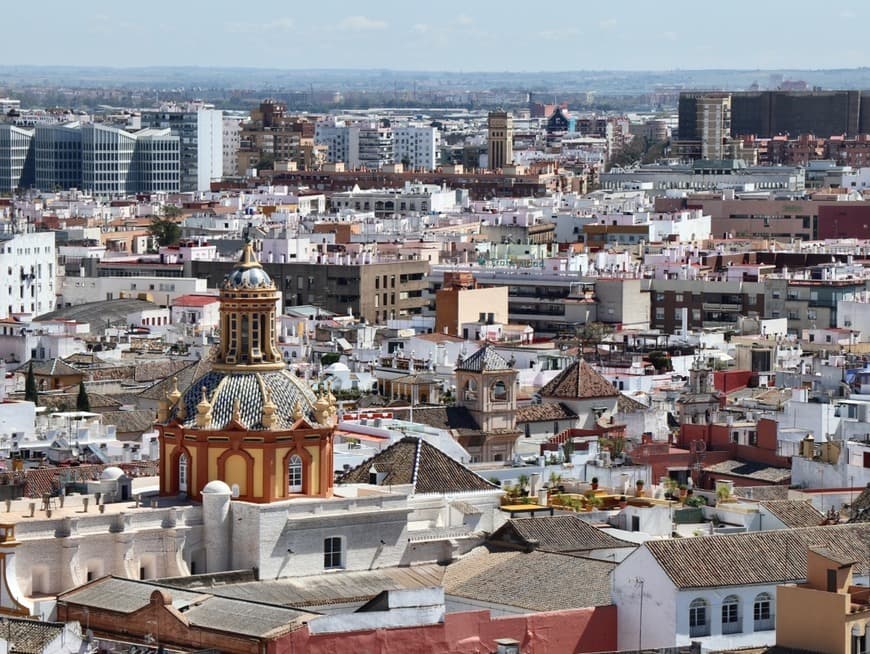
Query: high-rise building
(375, 145)
(157, 161)
(714, 124)
(500, 138)
(58, 156)
(416, 146)
(200, 128)
(232, 143)
(16, 157)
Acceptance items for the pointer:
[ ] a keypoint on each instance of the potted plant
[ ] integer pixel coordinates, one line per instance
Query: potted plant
(523, 485)
(684, 491)
(593, 502)
(638, 488)
(595, 483)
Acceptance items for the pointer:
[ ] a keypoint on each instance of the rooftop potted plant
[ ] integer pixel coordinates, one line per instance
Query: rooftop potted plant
(638, 488)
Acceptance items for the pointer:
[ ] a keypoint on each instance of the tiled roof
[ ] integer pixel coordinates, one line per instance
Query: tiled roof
(794, 513)
(67, 401)
(579, 381)
(441, 417)
(27, 636)
(200, 609)
(860, 510)
(414, 461)
(760, 493)
(130, 422)
(757, 471)
(544, 412)
(558, 533)
(194, 300)
(535, 581)
(52, 368)
(333, 588)
(186, 376)
(250, 390)
(755, 558)
(626, 404)
(484, 360)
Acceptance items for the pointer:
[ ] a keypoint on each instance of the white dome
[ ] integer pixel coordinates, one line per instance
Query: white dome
(111, 473)
(338, 366)
(216, 487)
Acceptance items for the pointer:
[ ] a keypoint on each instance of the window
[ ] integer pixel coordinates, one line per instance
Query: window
(332, 552)
(698, 622)
(762, 613)
(731, 615)
(498, 392)
(294, 474)
(182, 473)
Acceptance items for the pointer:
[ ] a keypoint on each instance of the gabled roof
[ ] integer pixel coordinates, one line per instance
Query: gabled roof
(860, 511)
(486, 359)
(201, 610)
(440, 417)
(186, 377)
(558, 533)
(535, 581)
(764, 557)
(579, 381)
(794, 513)
(427, 469)
(30, 636)
(544, 412)
(51, 368)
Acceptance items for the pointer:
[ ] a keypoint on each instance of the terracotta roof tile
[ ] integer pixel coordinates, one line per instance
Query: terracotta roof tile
(414, 461)
(794, 513)
(544, 412)
(484, 360)
(579, 381)
(558, 533)
(535, 581)
(755, 558)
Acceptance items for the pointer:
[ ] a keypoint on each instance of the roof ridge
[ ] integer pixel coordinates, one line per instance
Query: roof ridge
(416, 463)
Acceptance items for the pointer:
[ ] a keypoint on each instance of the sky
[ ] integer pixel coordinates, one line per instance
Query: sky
(444, 35)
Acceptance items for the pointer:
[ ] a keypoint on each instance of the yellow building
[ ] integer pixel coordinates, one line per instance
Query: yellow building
(247, 422)
(827, 614)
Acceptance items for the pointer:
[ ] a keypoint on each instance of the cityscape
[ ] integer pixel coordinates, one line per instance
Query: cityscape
(457, 329)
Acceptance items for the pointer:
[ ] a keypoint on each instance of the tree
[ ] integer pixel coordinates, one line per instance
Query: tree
(83, 403)
(165, 231)
(31, 394)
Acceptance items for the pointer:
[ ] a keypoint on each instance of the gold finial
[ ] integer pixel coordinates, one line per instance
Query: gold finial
(237, 411)
(175, 394)
(269, 409)
(249, 257)
(203, 410)
(297, 411)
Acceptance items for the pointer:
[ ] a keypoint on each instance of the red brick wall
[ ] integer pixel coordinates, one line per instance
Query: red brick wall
(731, 380)
(579, 630)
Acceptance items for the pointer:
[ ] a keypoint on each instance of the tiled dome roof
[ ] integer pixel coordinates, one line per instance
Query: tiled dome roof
(246, 278)
(283, 389)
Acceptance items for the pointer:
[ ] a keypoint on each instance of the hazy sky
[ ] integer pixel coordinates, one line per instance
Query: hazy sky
(449, 35)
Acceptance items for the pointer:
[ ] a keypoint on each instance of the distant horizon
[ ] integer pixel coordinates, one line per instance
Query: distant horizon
(450, 36)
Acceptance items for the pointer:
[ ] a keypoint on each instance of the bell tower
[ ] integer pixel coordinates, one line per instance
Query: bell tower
(249, 301)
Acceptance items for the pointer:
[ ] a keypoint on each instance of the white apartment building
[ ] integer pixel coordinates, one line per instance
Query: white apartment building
(201, 128)
(232, 141)
(27, 263)
(416, 146)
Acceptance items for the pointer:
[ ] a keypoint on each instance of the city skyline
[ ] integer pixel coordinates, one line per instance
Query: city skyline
(459, 37)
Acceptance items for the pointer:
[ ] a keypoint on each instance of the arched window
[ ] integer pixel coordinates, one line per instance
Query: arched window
(183, 464)
(731, 615)
(699, 618)
(498, 392)
(294, 474)
(470, 390)
(762, 612)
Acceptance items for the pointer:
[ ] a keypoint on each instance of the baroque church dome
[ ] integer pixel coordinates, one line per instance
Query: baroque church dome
(248, 383)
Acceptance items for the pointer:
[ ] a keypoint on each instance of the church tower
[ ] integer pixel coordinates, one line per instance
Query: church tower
(248, 422)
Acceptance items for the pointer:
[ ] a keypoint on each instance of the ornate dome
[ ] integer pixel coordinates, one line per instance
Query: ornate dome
(271, 400)
(247, 273)
(247, 278)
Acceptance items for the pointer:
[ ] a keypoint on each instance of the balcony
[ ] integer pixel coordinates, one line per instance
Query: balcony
(722, 307)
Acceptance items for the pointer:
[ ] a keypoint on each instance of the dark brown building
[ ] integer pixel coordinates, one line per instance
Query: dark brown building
(374, 291)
